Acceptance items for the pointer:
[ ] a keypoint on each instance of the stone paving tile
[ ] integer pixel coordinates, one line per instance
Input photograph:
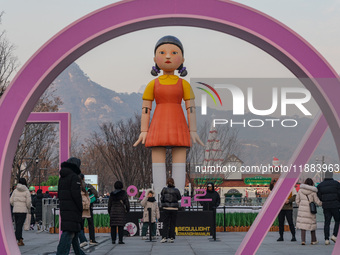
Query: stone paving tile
(46, 244)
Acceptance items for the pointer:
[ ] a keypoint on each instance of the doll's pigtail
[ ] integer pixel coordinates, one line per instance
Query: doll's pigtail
(182, 70)
(155, 70)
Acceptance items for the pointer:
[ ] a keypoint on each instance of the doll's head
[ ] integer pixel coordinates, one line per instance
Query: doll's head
(169, 56)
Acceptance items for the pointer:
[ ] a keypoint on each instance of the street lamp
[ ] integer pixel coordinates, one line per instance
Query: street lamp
(36, 168)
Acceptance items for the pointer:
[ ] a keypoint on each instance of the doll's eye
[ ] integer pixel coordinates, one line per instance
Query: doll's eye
(162, 52)
(174, 52)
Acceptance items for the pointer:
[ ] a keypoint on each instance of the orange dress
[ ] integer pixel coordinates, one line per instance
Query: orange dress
(168, 127)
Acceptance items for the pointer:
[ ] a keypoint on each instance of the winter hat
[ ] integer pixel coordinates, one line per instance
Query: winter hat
(75, 161)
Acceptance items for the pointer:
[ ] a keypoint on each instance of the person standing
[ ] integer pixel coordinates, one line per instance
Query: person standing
(71, 206)
(118, 207)
(329, 194)
(169, 198)
(21, 202)
(149, 201)
(286, 212)
(213, 195)
(86, 213)
(93, 194)
(33, 220)
(305, 219)
(37, 204)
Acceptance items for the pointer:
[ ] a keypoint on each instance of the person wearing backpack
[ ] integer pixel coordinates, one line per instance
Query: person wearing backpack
(329, 194)
(93, 194)
(306, 220)
(149, 201)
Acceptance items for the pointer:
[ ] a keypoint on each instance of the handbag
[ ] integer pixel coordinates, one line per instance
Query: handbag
(91, 195)
(312, 207)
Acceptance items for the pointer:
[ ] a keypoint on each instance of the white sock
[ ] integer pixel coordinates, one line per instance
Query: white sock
(178, 174)
(158, 177)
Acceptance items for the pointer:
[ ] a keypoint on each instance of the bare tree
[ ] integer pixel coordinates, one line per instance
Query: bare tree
(128, 164)
(38, 141)
(8, 62)
(93, 163)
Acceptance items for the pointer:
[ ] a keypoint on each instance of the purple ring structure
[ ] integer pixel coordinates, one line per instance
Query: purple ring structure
(132, 15)
(64, 121)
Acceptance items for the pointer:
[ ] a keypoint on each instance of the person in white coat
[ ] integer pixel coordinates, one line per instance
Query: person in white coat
(305, 219)
(149, 201)
(21, 202)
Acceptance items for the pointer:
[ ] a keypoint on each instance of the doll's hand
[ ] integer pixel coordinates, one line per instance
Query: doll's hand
(195, 138)
(142, 138)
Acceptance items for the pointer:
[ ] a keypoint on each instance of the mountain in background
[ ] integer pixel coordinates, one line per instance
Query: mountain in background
(91, 105)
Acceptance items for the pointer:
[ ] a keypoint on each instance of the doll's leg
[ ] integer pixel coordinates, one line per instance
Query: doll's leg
(158, 169)
(178, 167)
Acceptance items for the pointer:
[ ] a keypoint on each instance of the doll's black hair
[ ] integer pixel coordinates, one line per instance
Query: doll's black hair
(169, 39)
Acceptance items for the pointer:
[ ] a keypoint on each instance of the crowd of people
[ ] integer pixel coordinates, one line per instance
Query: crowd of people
(77, 197)
(325, 195)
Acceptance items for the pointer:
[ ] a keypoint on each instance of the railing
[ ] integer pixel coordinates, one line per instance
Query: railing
(48, 212)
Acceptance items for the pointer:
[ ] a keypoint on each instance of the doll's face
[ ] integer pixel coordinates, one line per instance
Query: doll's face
(168, 57)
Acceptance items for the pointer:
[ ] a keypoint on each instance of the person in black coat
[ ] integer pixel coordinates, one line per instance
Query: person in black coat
(33, 220)
(213, 195)
(37, 204)
(71, 206)
(169, 198)
(117, 208)
(329, 194)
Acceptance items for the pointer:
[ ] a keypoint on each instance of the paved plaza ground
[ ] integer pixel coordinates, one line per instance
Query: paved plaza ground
(46, 244)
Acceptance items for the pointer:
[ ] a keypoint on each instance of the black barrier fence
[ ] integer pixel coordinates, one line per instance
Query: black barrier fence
(191, 221)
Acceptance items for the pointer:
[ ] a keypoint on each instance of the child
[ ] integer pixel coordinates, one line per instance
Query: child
(149, 201)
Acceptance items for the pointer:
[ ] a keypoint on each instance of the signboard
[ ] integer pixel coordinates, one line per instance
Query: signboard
(204, 180)
(258, 180)
(92, 179)
(196, 223)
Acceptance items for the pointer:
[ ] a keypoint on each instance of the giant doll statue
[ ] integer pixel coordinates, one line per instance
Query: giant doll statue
(168, 128)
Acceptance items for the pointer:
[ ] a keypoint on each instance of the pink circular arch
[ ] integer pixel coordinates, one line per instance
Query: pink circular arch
(132, 15)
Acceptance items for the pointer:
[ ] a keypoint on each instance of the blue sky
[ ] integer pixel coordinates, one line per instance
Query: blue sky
(29, 24)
